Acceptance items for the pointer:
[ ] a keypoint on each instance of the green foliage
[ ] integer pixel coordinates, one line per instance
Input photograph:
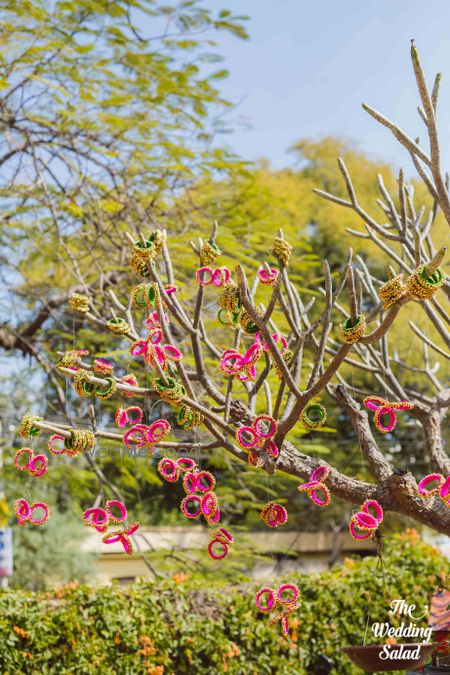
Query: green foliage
(184, 626)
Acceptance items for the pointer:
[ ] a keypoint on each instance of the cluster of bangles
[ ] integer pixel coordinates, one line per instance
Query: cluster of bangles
(442, 489)
(155, 353)
(364, 523)
(101, 520)
(143, 435)
(274, 514)
(257, 436)
(284, 598)
(194, 481)
(315, 488)
(382, 407)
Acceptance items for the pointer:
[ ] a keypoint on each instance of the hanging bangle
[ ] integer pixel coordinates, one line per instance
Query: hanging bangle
(101, 367)
(319, 416)
(392, 290)
(82, 385)
(353, 333)
(118, 326)
(282, 251)
(431, 478)
(272, 426)
(274, 514)
(27, 427)
(421, 285)
(79, 303)
(157, 431)
(208, 253)
(168, 470)
(252, 437)
(105, 392)
(18, 454)
(51, 444)
(191, 499)
(204, 276)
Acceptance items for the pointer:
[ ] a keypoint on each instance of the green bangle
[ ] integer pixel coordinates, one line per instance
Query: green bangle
(320, 414)
(434, 279)
(118, 326)
(108, 391)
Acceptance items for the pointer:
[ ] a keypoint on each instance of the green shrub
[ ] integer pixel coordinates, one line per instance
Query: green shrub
(191, 626)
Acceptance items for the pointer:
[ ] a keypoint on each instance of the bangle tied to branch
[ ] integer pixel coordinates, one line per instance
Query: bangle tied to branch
(392, 290)
(79, 440)
(118, 326)
(442, 489)
(268, 278)
(316, 488)
(209, 252)
(422, 286)
(382, 407)
(27, 427)
(353, 332)
(363, 524)
(282, 251)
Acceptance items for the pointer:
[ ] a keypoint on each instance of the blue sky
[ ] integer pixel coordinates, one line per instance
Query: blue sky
(310, 65)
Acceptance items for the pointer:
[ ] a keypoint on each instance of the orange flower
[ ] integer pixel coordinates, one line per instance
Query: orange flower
(20, 631)
(156, 670)
(180, 577)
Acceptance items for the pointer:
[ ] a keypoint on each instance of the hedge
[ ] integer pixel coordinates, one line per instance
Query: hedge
(186, 625)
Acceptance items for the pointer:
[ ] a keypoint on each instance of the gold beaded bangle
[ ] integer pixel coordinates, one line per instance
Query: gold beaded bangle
(282, 251)
(139, 266)
(27, 427)
(208, 253)
(79, 441)
(247, 324)
(422, 286)
(108, 391)
(231, 298)
(118, 326)
(392, 290)
(353, 333)
(70, 358)
(188, 418)
(79, 303)
(287, 357)
(320, 416)
(146, 295)
(82, 385)
(158, 239)
(170, 391)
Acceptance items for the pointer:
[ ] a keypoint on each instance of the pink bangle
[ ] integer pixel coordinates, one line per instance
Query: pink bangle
(170, 288)
(221, 276)
(209, 504)
(185, 464)
(274, 514)
(214, 517)
(268, 278)
(96, 517)
(122, 416)
(231, 362)
(137, 435)
(172, 353)
(272, 449)
(42, 462)
(191, 499)
(444, 492)
(46, 516)
(155, 336)
(253, 353)
(101, 367)
(363, 523)
(123, 537)
(221, 538)
(251, 432)
(288, 587)
(139, 347)
(131, 381)
(157, 430)
(359, 536)
(272, 426)
(168, 469)
(203, 272)
(155, 355)
(17, 455)
(51, 441)
(268, 606)
(431, 478)
(116, 504)
(315, 487)
(382, 407)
